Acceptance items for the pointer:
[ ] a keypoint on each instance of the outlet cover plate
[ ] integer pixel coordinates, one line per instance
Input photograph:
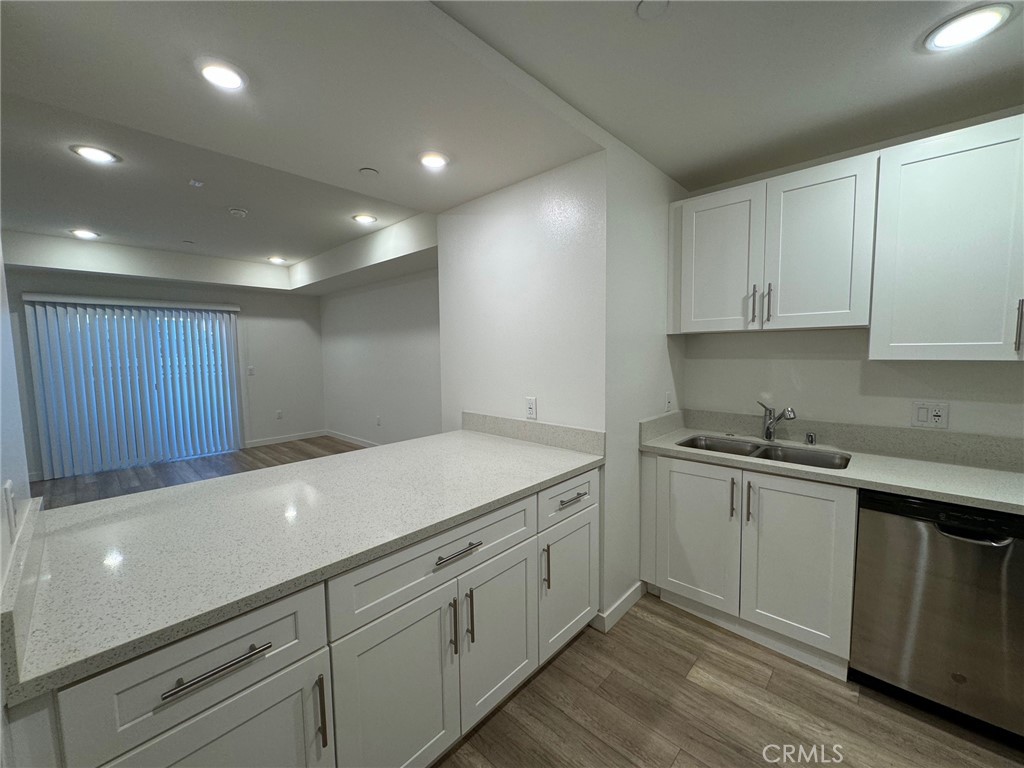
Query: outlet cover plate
(930, 415)
(531, 408)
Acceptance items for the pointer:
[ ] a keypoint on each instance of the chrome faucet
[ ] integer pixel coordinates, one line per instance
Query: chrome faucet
(770, 420)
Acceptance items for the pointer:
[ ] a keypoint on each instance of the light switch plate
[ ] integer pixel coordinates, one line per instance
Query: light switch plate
(930, 415)
(531, 408)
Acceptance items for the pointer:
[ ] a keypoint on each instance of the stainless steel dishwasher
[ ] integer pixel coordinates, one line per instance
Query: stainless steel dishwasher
(938, 604)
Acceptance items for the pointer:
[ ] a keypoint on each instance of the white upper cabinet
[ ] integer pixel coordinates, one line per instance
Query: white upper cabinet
(949, 258)
(722, 249)
(820, 229)
(790, 252)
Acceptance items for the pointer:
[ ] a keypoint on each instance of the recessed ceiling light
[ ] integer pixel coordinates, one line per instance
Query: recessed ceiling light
(364, 218)
(238, 213)
(221, 74)
(967, 27)
(277, 260)
(435, 161)
(84, 234)
(95, 154)
(370, 172)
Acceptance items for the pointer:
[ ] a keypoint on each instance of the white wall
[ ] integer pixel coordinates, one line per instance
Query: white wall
(522, 299)
(279, 334)
(638, 369)
(13, 462)
(825, 375)
(381, 357)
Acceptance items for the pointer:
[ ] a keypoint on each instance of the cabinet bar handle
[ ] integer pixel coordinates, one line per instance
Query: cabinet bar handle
(181, 686)
(753, 304)
(454, 604)
(472, 616)
(1020, 322)
(566, 502)
(732, 497)
(750, 486)
(323, 711)
(455, 555)
(547, 558)
(768, 313)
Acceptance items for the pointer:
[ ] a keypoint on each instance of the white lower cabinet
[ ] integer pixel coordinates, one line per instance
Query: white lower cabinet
(280, 721)
(397, 685)
(774, 551)
(569, 589)
(799, 541)
(498, 630)
(698, 551)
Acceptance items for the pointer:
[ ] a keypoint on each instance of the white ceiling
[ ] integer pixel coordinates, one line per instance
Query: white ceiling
(333, 86)
(714, 91)
(147, 201)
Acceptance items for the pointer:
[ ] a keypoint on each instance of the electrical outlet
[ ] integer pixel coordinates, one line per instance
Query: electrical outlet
(531, 407)
(669, 401)
(251, 370)
(930, 415)
(378, 421)
(279, 415)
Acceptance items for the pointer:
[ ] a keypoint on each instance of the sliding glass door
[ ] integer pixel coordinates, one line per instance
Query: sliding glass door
(119, 385)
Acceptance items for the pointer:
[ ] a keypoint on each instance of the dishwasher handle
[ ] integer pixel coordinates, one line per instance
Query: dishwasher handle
(984, 541)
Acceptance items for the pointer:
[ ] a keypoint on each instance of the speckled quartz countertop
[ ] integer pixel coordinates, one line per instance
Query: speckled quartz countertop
(972, 486)
(123, 576)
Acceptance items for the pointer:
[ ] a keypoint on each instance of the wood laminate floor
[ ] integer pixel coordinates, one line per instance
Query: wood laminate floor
(666, 689)
(65, 491)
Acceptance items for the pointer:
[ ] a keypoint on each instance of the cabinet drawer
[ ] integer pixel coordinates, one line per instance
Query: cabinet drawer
(567, 498)
(120, 709)
(370, 591)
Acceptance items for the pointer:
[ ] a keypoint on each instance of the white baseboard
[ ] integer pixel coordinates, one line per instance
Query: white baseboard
(834, 666)
(350, 439)
(284, 438)
(605, 620)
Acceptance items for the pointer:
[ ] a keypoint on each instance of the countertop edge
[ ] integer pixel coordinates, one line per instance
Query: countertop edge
(656, 446)
(18, 691)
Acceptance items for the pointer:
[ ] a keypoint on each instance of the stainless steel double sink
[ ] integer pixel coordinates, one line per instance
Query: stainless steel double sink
(788, 454)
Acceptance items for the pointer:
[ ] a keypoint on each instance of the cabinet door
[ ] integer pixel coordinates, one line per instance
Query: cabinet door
(276, 723)
(722, 252)
(819, 242)
(798, 558)
(949, 256)
(569, 579)
(397, 683)
(699, 511)
(499, 639)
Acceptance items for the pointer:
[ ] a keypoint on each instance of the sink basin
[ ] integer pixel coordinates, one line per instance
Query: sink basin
(721, 445)
(785, 453)
(823, 459)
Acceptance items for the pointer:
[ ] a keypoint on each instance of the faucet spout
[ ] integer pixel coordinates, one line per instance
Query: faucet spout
(771, 420)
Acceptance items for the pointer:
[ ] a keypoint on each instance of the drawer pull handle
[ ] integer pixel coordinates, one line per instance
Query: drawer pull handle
(566, 502)
(472, 616)
(454, 605)
(323, 711)
(732, 497)
(181, 686)
(750, 487)
(768, 313)
(753, 304)
(455, 555)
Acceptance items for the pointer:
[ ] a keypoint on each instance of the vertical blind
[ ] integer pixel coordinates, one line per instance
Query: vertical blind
(118, 385)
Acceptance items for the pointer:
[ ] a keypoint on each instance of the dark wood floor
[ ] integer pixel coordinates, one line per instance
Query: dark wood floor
(666, 689)
(65, 491)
